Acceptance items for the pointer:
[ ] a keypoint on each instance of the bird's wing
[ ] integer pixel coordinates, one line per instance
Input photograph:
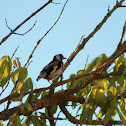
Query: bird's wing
(51, 67)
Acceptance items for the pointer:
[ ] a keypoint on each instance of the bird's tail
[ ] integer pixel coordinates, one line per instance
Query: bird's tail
(37, 78)
(41, 75)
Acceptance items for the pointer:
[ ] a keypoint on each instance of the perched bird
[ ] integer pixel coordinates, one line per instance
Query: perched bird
(52, 70)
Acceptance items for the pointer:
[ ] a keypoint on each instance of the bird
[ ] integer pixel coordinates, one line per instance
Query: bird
(53, 70)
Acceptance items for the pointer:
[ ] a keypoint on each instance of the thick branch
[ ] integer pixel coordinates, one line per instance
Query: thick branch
(73, 98)
(101, 76)
(75, 121)
(68, 115)
(98, 27)
(57, 98)
(114, 56)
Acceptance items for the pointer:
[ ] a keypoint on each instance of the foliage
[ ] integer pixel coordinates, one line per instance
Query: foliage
(97, 91)
(102, 93)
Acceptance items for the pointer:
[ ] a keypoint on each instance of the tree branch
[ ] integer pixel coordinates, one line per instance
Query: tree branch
(97, 28)
(45, 34)
(19, 33)
(57, 98)
(28, 18)
(101, 76)
(68, 115)
(75, 121)
(51, 120)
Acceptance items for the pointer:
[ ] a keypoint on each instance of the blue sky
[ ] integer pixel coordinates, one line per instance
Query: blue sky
(79, 18)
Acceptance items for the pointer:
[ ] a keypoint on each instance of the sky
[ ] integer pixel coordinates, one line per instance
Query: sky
(79, 18)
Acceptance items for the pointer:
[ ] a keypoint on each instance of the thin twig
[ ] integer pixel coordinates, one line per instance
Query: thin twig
(58, 115)
(86, 63)
(123, 32)
(7, 25)
(45, 34)
(81, 39)
(19, 33)
(4, 88)
(28, 18)
(29, 64)
(14, 52)
(55, 3)
(27, 31)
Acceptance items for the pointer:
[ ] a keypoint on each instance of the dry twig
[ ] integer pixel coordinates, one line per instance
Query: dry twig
(28, 18)
(45, 34)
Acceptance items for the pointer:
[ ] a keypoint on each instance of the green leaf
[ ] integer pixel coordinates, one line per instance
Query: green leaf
(1, 124)
(4, 72)
(97, 96)
(111, 81)
(22, 109)
(43, 120)
(34, 97)
(122, 67)
(121, 80)
(17, 121)
(5, 80)
(74, 104)
(28, 84)
(44, 93)
(80, 72)
(28, 106)
(92, 64)
(17, 98)
(75, 83)
(123, 106)
(110, 111)
(54, 109)
(27, 121)
(104, 107)
(7, 58)
(46, 112)
(35, 121)
(79, 109)
(123, 118)
(19, 75)
(113, 90)
(89, 118)
(118, 62)
(69, 83)
(100, 60)
(86, 112)
(99, 114)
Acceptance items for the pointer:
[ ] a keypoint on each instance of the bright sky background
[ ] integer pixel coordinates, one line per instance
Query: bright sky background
(80, 17)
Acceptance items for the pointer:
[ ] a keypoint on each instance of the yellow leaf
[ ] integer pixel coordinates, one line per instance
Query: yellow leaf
(19, 75)
(113, 90)
(88, 105)
(19, 86)
(97, 96)
(105, 84)
(99, 115)
(7, 58)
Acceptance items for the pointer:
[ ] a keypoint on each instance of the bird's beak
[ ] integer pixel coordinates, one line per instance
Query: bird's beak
(64, 58)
